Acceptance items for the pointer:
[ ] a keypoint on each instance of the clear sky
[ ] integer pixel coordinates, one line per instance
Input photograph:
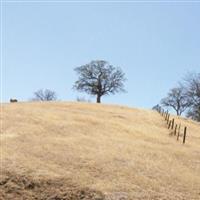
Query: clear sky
(155, 44)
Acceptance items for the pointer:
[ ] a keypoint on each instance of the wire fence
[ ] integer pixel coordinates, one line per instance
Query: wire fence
(176, 129)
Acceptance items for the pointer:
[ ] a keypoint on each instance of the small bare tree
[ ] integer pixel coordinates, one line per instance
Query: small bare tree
(176, 99)
(192, 87)
(99, 78)
(83, 99)
(45, 95)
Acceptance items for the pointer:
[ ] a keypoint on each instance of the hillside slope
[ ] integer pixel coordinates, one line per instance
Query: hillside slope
(89, 151)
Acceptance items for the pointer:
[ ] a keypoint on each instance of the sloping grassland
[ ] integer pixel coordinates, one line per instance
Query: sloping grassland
(86, 151)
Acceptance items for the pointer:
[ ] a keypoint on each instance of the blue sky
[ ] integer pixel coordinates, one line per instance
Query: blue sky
(155, 44)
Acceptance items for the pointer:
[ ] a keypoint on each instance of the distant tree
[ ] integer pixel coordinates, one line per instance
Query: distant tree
(194, 113)
(99, 78)
(157, 108)
(44, 95)
(82, 99)
(176, 99)
(192, 87)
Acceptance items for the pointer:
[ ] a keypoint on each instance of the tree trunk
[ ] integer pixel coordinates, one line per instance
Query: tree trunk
(98, 98)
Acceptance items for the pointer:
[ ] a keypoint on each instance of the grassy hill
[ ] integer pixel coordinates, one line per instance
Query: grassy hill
(89, 151)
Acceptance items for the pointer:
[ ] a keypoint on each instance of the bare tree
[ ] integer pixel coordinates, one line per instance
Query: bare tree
(44, 95)
(83, 99)
(99, 78)
(192, 87)
(157, 108)
(194, 113)
(176, 99)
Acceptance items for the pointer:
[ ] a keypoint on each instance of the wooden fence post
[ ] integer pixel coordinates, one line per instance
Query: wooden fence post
(172, 124)
(184, 136)
(168, 116)
(175, 129)
(179, 128)
(169, 124)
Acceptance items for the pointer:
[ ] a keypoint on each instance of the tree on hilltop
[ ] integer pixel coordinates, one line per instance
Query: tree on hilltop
(192, 87)
(44, 95)
(99, 78)
(176, 99)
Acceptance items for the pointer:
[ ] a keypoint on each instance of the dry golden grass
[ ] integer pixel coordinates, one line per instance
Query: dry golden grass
(124, 153)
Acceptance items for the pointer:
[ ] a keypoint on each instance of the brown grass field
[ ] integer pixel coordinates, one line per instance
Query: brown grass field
(87, 151)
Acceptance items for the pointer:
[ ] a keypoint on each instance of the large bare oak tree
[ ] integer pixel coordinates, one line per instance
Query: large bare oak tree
(99, 78)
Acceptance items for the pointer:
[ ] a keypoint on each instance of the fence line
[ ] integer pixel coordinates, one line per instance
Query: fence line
(171, 125)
